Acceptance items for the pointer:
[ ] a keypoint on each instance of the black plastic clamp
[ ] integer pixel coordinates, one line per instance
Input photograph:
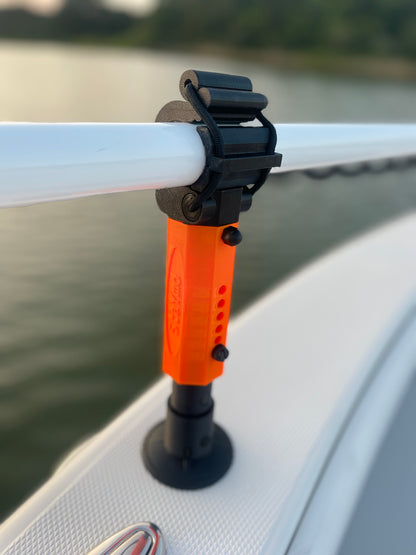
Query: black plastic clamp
(236, 156)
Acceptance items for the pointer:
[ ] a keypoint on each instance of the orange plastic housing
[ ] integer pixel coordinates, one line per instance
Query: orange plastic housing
(199, 276)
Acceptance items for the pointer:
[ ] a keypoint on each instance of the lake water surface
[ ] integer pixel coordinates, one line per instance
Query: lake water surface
(81, 282)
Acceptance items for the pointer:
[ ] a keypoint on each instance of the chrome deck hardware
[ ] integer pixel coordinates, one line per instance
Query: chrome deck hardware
(144, 538)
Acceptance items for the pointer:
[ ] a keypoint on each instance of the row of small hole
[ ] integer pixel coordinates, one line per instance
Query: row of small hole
(220, 315)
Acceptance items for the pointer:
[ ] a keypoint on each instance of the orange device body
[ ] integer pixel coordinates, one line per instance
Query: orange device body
(199, 276)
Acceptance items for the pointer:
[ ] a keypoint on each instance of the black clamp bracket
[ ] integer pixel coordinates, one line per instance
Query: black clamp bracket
(237, 156)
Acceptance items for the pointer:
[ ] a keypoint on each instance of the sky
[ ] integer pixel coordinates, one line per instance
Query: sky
(48, 6)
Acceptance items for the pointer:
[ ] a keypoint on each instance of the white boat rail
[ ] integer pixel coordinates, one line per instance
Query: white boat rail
(41, 162)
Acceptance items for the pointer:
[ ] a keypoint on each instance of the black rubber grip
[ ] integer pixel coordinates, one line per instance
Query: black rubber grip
(231, 100)
(201, 79)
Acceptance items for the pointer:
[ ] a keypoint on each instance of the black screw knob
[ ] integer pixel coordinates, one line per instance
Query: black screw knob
(231, 236)
(220, 352)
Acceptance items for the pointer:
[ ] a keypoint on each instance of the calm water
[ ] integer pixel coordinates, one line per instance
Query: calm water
(81, 282)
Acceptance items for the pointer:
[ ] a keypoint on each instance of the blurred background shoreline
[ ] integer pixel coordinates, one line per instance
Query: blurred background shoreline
(372, 39)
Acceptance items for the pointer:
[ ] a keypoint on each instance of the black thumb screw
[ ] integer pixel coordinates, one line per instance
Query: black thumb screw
(231, 236)
(220, 353)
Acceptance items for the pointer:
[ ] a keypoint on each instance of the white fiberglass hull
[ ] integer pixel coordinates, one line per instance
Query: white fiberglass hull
(300, 360)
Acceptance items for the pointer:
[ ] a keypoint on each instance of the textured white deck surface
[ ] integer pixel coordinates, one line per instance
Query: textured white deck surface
(298, 360)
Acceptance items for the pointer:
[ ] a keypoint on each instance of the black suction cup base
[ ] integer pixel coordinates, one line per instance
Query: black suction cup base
(187, 473)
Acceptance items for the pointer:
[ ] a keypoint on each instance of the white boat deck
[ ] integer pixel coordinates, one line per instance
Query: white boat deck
(299, 359)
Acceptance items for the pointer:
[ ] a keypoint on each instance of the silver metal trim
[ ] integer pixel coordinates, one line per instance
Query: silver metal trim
(118, 543)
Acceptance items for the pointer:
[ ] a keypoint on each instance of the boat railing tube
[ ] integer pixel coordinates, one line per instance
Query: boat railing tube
(43, 162)
(188, 450)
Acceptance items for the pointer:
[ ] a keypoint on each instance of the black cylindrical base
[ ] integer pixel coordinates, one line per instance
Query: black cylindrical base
(187, 473)
(187, 450)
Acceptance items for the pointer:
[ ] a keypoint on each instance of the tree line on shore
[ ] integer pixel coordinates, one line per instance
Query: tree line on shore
(372, 27)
